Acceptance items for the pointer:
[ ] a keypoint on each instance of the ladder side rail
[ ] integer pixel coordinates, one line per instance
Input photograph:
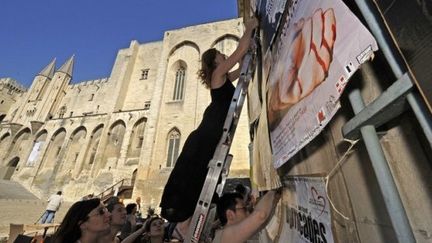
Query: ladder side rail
(201, 210)
(224, 175)
(211, 212)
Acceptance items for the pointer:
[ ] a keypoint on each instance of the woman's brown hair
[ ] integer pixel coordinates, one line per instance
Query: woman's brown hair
(149, 222)
(69, 230)
(208, 65)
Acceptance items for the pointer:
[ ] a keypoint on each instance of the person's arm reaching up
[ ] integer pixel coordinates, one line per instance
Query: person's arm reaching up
(223, 68)
(132, 237)
(242, 231)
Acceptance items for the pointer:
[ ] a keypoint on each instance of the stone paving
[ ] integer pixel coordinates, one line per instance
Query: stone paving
(14, 190)
(18, 211)
(19, 206)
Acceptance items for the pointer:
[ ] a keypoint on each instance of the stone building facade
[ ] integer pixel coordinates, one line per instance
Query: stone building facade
(84, 137)
(10, 92)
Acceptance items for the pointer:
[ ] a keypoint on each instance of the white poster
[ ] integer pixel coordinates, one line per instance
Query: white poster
(320, 46)
(34, 153)
(306, 211)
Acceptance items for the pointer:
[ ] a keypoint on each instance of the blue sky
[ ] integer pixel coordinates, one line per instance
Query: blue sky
(33, 32)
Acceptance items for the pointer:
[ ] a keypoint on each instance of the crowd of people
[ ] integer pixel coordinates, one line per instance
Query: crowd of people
(91, 220)
(239, 217)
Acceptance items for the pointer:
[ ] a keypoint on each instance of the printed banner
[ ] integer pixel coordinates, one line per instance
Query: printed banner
(319, 47)
(306, 210)
(34, 153)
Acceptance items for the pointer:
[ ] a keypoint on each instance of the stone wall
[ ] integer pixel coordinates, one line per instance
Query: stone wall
(10, 92)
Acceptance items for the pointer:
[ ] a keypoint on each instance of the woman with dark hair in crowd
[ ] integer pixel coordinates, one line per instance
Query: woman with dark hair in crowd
(118, 219)
(85, 222)
(186, 180)
(153, 231)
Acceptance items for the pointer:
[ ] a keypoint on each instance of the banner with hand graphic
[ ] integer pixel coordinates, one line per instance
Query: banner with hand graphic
(319, 46)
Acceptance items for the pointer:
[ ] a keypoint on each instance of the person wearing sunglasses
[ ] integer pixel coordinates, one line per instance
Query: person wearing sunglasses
(85, 222)
(239, 220)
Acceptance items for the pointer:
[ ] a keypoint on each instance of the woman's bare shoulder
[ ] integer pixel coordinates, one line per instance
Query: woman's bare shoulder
(217, 81)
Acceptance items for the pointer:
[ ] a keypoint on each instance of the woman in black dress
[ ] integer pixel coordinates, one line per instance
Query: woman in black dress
(184, 185)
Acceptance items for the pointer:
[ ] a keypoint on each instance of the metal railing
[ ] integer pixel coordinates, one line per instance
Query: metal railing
(111, 190)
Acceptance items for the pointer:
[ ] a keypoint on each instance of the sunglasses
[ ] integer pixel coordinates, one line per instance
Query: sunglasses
(100, 211)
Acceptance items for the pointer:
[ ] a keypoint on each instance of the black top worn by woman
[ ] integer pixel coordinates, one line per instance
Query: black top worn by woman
(184, 185)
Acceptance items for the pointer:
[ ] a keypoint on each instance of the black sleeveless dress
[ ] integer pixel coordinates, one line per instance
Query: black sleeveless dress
(186, 180)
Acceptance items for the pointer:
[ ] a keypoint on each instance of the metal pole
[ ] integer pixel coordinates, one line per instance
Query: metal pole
(392, 200)
(379, 30)
(421, 113)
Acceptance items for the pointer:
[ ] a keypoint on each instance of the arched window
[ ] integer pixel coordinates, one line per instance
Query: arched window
(226, 44)
(173, 147)
(136, 139)
(179, 84)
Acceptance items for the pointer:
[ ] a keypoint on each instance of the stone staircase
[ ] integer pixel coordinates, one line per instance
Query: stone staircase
(19, 206)
(14, 190)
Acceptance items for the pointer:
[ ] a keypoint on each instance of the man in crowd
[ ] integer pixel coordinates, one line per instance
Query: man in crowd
(238, 223)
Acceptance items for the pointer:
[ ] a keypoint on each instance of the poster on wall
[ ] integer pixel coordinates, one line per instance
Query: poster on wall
(306, 210)
(270, 13)
(319, 47)
(34, 153)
